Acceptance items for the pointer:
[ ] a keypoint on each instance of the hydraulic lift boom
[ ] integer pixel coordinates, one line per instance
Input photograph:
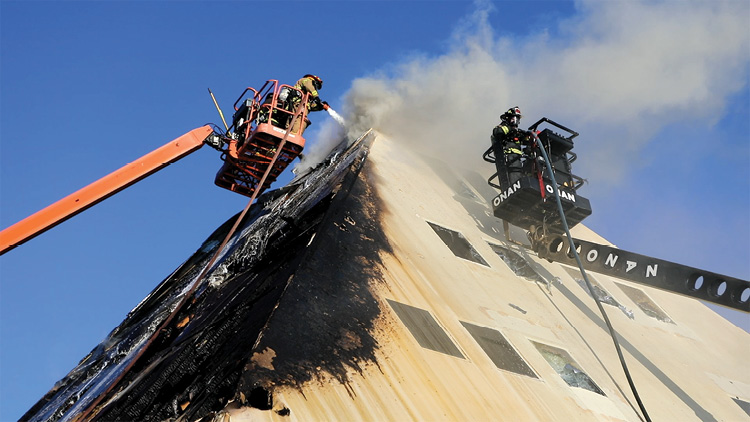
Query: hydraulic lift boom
(265, 136)
(102, 189)
(730, 292)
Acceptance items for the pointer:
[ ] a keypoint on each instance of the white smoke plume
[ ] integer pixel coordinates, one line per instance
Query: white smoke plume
(617, 72)
(329, 135)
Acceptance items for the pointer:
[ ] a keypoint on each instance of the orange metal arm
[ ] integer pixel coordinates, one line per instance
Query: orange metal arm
(102, 189)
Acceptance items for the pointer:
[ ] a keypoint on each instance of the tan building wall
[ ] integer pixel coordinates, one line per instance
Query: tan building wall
(688, 369)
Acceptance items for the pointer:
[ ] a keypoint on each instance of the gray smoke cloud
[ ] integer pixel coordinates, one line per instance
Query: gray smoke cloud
(622, 68)
(330, 134)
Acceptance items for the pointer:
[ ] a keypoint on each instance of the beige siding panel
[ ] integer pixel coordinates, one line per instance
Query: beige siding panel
(685, 371)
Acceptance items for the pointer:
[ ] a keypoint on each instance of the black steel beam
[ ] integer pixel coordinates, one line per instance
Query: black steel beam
(677, 278)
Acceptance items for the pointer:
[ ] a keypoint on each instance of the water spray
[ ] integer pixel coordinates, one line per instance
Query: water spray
(337, 117)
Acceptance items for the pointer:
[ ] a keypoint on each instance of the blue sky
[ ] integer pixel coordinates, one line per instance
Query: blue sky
(86, 87)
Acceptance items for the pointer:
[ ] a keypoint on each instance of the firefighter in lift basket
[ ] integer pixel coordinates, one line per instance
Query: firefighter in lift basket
(516, 146)
(309, 84)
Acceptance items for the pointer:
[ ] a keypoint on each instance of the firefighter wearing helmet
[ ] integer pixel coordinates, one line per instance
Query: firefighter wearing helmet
(309, 84)
(513, 141)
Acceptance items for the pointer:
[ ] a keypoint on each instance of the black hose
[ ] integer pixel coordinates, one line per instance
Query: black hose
(588, 283)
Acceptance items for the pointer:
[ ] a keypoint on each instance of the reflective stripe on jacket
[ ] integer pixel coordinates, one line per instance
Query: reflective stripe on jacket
(511, 145)
(306, 85)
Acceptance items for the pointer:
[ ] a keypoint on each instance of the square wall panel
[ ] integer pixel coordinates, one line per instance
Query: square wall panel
(499, 349)
(428, 333)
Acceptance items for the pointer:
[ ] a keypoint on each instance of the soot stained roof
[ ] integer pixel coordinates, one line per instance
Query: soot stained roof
(240, 332)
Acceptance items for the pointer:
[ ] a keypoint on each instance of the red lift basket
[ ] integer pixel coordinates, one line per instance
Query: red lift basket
(264, 121)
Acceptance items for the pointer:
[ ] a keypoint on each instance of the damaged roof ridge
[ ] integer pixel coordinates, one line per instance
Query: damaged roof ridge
(327, 219)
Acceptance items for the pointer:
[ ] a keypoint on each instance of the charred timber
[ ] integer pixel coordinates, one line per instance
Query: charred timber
(288, 301)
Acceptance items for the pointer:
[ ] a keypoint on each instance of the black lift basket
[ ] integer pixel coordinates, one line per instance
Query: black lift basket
(525, 198)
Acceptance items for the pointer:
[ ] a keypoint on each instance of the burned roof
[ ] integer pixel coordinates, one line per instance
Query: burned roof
(166, 361)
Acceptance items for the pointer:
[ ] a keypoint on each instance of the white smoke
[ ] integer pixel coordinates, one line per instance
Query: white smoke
(330, 134)
(617, 72)
(337, 117)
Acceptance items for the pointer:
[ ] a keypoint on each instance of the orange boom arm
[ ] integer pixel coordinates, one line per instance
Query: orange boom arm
(102, 189)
